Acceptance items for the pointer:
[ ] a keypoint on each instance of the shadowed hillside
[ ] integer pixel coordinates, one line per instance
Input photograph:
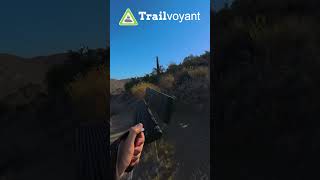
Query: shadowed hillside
(266, 76)
(17, 72)
(43, 100)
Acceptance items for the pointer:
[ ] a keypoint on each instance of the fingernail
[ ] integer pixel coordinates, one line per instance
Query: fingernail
(142, 129)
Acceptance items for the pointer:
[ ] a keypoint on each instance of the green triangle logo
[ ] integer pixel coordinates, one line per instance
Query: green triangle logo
(128, 19)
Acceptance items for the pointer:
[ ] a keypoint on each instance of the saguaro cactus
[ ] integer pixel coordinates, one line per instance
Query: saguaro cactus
(158, 66)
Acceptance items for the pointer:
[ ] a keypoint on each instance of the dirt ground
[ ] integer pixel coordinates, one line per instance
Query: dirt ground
(188, 134)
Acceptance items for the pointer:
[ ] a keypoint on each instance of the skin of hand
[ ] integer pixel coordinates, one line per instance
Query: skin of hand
(130, 149)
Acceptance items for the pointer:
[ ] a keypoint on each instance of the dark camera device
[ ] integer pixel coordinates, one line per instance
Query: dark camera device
(155, 108)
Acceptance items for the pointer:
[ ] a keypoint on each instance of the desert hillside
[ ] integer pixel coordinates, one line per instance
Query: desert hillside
(42, 101)
(117, 86)
(18, 72)
(189, 83)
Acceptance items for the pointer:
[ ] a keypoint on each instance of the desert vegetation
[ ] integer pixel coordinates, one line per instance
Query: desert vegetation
(158, 162)
(138, 90)
(266, 61)
(82, 83)
(39, 115)
(171, 156)
(184, 80)
(88, 93)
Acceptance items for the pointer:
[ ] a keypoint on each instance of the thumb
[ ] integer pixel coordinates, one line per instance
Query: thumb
(133, 132)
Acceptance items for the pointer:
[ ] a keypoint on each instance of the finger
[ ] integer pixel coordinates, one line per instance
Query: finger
(134, 131)
(137, 150)
(140, 139)
(133, 163)
(135, 158)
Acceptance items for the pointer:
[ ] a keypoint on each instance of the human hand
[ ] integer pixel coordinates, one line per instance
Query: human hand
(130, 149)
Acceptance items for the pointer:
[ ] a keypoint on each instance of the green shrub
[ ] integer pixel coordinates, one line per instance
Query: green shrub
(195, 61)
(149, 78)
(173, 68)
(132, 82)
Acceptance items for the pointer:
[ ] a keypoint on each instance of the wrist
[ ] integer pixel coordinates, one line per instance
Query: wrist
(119, 167)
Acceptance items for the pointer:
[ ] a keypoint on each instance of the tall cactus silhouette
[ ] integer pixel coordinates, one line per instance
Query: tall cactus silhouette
(158, 66)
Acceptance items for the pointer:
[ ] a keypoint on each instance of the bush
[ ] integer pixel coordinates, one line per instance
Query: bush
(78, 64)
(182, 76)
(139, 89)
(131, 83)
(266, 88)
(199, 73)
(157, 162)
(173, 68)
(176, 74)
(149, 78)
(88, 93)
(195, 61)
(166, 81)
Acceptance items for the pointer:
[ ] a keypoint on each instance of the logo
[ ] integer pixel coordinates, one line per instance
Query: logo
(128, 19)
(165, 16)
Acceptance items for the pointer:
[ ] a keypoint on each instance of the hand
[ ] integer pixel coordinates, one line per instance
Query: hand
(130, 149)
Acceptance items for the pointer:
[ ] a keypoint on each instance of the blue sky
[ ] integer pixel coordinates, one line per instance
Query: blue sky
(36, 27)
(133, 49)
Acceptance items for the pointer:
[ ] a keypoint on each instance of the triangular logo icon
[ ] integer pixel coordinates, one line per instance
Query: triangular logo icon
(128, 19)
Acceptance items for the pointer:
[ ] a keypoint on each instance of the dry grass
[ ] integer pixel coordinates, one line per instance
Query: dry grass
(139, 89)
(157, 162)
(200, 72)
(88, 93)
(166, 81)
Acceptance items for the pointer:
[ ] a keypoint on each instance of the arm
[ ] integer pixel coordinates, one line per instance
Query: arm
(113, 157)
(92, 147)
(126, 151)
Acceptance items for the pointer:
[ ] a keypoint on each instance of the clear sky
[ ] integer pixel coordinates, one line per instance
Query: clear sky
(133, 49)
(38, 27)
